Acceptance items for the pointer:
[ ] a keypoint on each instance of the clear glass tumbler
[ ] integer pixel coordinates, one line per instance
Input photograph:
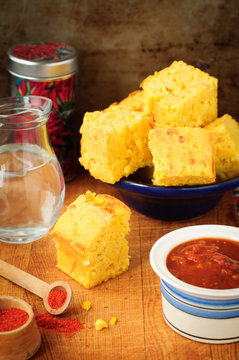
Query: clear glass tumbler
(32, 187)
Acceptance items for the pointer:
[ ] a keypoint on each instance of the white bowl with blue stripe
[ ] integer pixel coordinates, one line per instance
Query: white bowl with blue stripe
(205, 315)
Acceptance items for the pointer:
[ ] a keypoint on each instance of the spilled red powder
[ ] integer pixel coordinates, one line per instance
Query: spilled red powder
(57, 298)
(12, 318)
(50, 322)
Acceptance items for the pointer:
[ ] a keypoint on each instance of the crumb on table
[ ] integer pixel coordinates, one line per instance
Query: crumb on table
(100, 324)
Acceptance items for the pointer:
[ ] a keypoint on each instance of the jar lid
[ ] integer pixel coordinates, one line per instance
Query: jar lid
(42, 59)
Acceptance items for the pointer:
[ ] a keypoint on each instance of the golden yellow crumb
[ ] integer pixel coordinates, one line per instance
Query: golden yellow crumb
(86, 305)
(113, 320)
(100, 324)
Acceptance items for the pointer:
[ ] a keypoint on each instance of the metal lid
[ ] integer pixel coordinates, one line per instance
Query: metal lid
(42, 60)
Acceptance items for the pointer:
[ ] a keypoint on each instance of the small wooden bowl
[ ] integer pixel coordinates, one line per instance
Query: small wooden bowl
(23, 342)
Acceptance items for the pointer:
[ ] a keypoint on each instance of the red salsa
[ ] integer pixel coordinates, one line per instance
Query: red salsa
(208, 263)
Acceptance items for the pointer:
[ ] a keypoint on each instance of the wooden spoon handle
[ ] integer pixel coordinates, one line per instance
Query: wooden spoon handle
(23, 279)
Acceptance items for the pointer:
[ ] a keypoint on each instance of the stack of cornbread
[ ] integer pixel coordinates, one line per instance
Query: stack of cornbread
(170, 124)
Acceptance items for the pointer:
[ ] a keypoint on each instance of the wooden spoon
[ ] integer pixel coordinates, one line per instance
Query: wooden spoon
(37, 286)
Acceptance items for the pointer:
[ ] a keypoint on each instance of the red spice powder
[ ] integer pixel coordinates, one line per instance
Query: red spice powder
(12, 318)
(50, 322)
(57, 298)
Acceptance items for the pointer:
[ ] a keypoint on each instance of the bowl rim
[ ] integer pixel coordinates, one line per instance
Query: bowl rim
(154, 190)
(167, 242)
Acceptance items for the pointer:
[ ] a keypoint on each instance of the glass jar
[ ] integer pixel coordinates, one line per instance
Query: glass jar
(50, 69)
(32, 187)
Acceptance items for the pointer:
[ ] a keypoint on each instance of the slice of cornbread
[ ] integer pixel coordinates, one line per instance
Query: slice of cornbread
(182, 156)
(90, 239)
(226, 138)
(181, 95)
(134, 101)
(114, 143)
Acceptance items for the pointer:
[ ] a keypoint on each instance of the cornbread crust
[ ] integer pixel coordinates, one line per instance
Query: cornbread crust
(134, 101)
(90, 239)
(181, 95)
(226, 138)
(114, 143)
(182, 156)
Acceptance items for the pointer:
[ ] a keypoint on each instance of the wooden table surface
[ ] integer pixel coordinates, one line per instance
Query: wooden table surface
(133, 297)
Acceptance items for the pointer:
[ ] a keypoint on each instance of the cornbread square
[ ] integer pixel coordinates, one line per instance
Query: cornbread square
(226, 138)
(182, 156)
(90, 238)
(114, 143)
(181, 95)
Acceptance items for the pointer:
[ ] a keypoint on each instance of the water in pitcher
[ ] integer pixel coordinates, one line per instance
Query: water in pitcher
(31, 192)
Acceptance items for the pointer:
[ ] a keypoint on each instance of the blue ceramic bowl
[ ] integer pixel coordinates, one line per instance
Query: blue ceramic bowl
(171, 203)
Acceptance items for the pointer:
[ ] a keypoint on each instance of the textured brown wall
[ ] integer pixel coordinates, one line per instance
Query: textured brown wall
(121, 42)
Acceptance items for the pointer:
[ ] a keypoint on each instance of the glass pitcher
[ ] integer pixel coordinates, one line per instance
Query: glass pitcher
(32, 187)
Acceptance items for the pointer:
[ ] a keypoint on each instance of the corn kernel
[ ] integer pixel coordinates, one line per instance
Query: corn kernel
(113, 320)
(86, 305)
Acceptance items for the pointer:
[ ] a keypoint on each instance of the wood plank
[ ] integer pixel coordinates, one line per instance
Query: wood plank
(133, 297)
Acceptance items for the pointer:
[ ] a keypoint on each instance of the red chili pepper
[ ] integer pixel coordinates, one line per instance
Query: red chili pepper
(54, 123)
(54, 102)
(56, 141)
(24, 87)
(61, 96)
(181, 139)
(66, 91)
(52, 128)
